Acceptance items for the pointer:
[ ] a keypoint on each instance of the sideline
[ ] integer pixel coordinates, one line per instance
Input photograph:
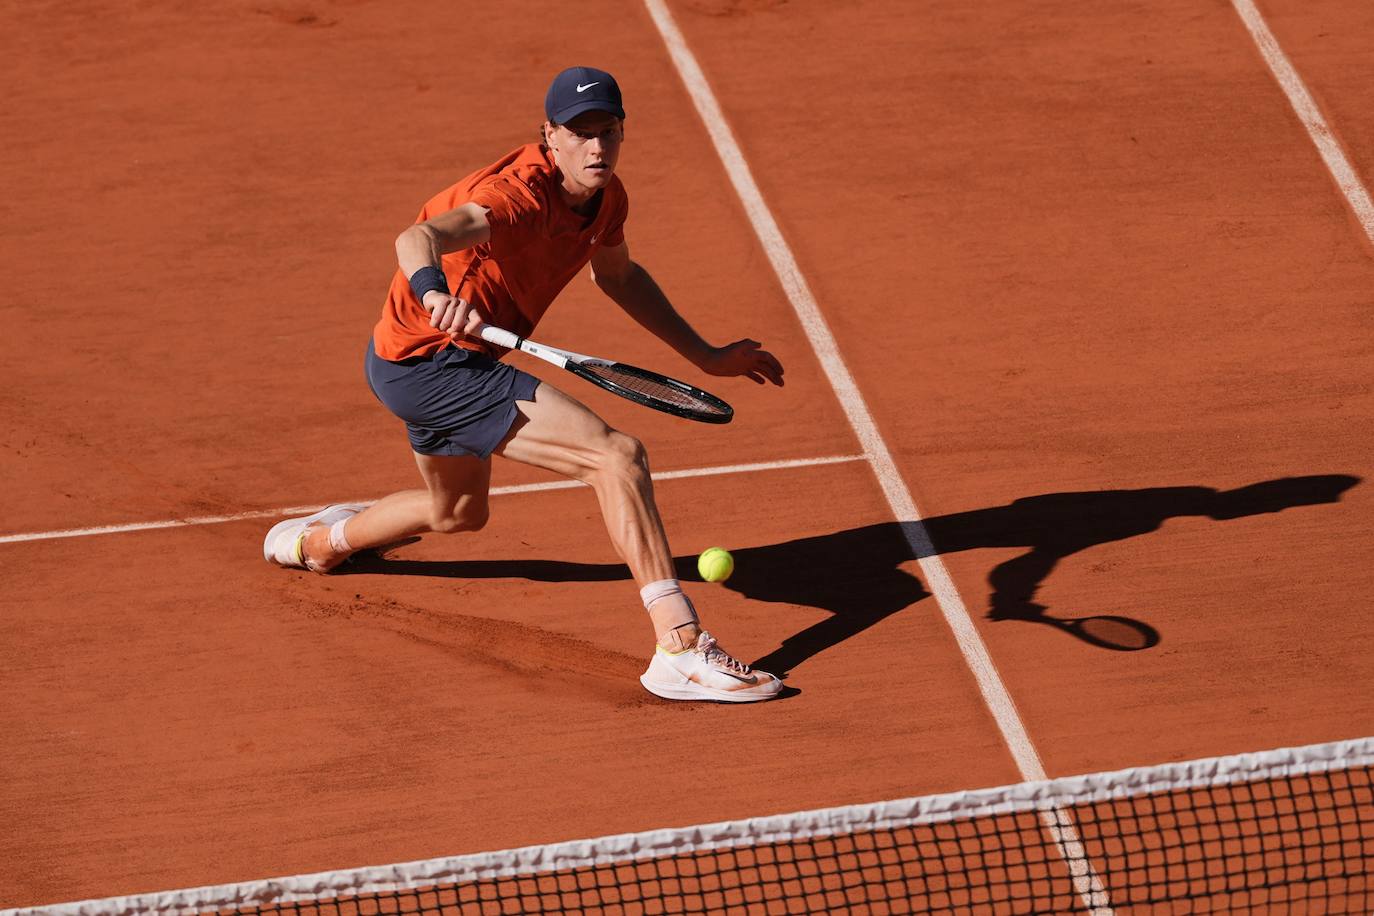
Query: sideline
(1301, 100)
(1058, 824)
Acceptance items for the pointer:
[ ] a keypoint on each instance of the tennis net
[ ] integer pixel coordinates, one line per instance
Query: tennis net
(1290, 830)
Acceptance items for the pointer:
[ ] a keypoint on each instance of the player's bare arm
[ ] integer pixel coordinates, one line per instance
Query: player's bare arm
(424, 244)
(631, 287)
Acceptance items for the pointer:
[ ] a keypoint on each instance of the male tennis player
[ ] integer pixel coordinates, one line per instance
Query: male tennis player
(498, 246)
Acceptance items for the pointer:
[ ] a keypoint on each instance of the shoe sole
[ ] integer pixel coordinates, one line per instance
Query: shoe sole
(269, 553)
(690, 691)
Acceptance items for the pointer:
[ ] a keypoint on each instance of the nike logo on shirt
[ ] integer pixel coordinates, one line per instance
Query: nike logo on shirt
(582, 88)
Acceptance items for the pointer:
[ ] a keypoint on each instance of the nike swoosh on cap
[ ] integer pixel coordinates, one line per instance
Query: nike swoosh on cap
(582, 88)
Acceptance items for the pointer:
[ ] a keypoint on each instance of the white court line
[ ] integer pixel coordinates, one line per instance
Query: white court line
(495, 491)
(1301, 100)
(941, 585)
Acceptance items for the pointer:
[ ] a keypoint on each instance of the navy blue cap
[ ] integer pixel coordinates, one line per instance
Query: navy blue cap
(579, 89)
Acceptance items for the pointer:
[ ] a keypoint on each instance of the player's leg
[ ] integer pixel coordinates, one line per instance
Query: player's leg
(455, 500)
(558, 433)
(457, 406)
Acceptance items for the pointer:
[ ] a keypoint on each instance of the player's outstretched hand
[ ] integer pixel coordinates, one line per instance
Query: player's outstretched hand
(451, 315)
(745, 357)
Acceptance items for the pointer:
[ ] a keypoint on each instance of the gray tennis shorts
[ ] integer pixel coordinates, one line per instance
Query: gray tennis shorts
(456, 402)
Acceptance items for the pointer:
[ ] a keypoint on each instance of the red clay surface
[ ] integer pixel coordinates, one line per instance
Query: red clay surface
(1078, 253)
(1103, 256)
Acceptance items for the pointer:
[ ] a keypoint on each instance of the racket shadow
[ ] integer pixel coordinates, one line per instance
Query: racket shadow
(1105, 631)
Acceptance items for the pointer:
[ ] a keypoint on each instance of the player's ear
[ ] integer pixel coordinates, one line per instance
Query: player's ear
(547, 130)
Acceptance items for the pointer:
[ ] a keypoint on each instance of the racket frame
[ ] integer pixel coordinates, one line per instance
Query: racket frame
(580, 365)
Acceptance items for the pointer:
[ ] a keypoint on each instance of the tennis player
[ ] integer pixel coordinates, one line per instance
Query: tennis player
(499, 246)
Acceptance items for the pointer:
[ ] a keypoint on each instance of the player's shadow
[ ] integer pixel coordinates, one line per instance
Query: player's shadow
(853, 574)
(856, 574)
(1058, 525)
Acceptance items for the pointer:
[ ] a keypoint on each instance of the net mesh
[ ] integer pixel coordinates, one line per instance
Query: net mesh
(1285, 831)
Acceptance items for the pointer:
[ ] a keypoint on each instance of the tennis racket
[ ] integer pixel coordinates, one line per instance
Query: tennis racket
(630, 382)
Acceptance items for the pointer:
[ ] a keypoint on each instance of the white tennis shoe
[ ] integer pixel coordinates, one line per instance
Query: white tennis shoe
(285, 543)
(706, 672)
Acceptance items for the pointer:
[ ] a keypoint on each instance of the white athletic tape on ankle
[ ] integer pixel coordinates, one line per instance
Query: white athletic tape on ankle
(675, 641)
(657, 591)
(337, 539)
(666, 588)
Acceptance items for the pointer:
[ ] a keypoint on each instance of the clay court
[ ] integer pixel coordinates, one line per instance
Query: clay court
(1078, 351)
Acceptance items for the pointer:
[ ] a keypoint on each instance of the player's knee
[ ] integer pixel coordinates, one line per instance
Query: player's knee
(464, 517)
(625, 457)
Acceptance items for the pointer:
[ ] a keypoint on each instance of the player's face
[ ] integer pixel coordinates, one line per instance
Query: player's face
(586, 150)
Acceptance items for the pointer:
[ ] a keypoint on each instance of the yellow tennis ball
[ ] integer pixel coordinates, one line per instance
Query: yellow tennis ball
(715, 564)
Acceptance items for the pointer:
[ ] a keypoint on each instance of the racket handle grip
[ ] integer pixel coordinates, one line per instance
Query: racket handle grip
(498, 336)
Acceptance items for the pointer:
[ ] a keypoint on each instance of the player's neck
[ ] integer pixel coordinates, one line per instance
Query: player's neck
(584, 202)
(579, 199)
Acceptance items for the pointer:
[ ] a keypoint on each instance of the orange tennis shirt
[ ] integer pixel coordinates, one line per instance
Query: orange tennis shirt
(537, 245)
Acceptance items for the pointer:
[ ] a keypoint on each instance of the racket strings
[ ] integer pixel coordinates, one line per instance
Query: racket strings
(655, 389)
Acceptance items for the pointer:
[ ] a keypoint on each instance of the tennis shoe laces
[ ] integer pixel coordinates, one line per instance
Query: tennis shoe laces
(705, 671)
(285, 543)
